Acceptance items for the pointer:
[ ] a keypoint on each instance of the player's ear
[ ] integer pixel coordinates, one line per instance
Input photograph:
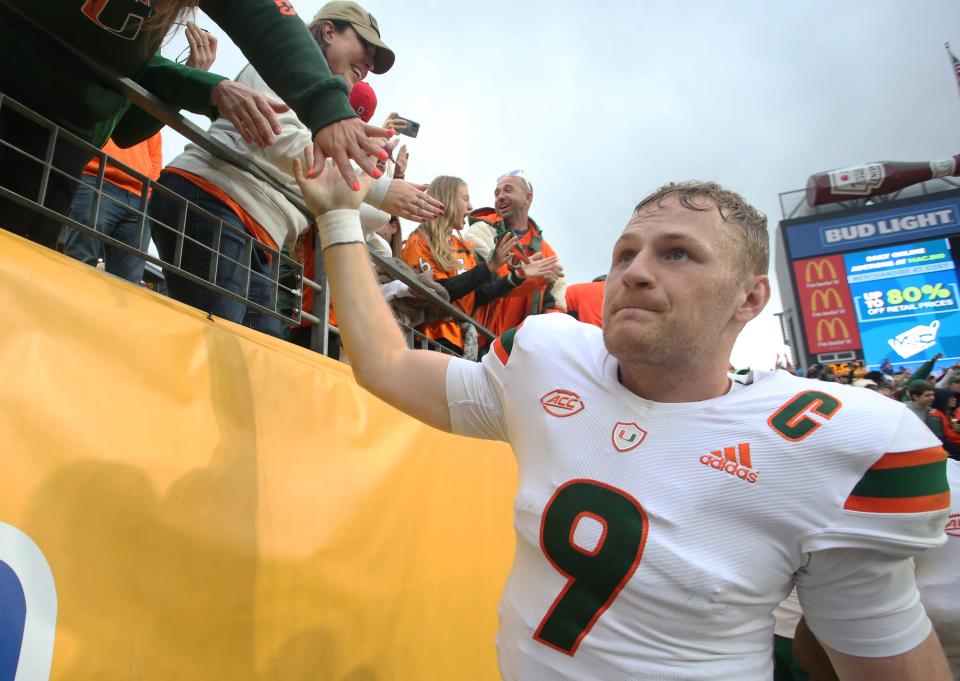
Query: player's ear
(754, 295)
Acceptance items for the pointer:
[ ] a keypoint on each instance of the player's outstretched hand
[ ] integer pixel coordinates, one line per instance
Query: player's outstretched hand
(350, 139)
(327, 190)
(411, 202)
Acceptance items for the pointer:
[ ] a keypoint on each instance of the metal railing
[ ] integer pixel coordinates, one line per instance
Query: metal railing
(318, 316)
(145, 222)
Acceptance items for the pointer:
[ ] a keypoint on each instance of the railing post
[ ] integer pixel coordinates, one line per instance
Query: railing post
(320, 333)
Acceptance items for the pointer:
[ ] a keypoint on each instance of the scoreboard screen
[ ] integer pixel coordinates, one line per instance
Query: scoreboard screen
(906, 302)
(879, 282)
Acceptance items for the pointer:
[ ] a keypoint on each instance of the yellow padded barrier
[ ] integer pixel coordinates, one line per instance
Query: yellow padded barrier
(217, 504)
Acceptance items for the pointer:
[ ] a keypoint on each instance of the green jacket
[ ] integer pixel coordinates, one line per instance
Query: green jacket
(46, 75)
(923, 370)
(177, 85)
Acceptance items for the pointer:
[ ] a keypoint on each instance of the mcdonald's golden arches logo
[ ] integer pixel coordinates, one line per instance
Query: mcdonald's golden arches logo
(833, 328)
(820, 267)
(825, 299)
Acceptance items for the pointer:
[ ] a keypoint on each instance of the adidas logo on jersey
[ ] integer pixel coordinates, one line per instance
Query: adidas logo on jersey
(734, 461)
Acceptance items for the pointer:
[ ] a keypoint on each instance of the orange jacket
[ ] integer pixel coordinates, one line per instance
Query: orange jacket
(585, 302)
(146, 158)
(417, 254)
(949, 434)
(531, 297)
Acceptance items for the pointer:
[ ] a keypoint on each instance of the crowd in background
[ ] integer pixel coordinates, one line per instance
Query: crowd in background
(492, 263)
(932, 396)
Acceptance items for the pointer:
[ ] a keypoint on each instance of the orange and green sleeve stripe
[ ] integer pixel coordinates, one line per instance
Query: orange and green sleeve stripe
(903, 482)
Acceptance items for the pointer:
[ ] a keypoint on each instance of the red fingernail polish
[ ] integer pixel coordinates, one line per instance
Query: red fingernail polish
(390, 132)
(384, 155)
(376, 172)
(356, 186)
(311, 173)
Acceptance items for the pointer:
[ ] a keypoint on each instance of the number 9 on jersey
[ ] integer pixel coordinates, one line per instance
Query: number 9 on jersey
(596, 576)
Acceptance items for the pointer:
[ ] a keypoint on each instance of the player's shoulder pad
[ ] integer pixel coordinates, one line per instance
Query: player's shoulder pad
(544, 334)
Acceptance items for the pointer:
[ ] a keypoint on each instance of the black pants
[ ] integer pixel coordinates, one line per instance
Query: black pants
(23, 176)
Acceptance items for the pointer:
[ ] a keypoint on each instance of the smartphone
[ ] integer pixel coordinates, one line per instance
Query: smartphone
(412, 127)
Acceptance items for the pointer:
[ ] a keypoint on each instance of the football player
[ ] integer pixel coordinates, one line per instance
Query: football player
(665, 509)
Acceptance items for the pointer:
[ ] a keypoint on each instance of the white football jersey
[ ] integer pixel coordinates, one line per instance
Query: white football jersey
(938, 578)
(787, 615)
(654, 540)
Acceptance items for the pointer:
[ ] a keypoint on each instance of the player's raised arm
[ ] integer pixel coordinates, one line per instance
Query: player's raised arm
(413, 381)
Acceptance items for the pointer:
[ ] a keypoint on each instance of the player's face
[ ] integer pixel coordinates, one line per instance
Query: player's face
(675, 292)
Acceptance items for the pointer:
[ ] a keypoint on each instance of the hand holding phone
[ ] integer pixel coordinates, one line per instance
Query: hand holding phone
(501, 252)
(402, 125)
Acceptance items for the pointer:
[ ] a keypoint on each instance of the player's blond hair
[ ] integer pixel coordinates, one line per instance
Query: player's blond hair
(733, 208)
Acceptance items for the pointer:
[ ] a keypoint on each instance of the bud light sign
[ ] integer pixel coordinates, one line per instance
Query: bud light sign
(873, 227)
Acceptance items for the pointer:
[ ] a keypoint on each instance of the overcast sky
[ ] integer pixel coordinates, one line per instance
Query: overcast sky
(600, 103)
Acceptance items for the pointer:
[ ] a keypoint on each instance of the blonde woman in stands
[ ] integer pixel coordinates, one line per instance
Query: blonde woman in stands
(438, 246)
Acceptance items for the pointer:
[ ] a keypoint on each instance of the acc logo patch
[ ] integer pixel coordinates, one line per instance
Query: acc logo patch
(953, 525)
(28, 608)
(627, 436)
(562, 403)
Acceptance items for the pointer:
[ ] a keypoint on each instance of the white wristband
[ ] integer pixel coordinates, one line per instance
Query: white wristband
(378, 190)
(339, 227)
